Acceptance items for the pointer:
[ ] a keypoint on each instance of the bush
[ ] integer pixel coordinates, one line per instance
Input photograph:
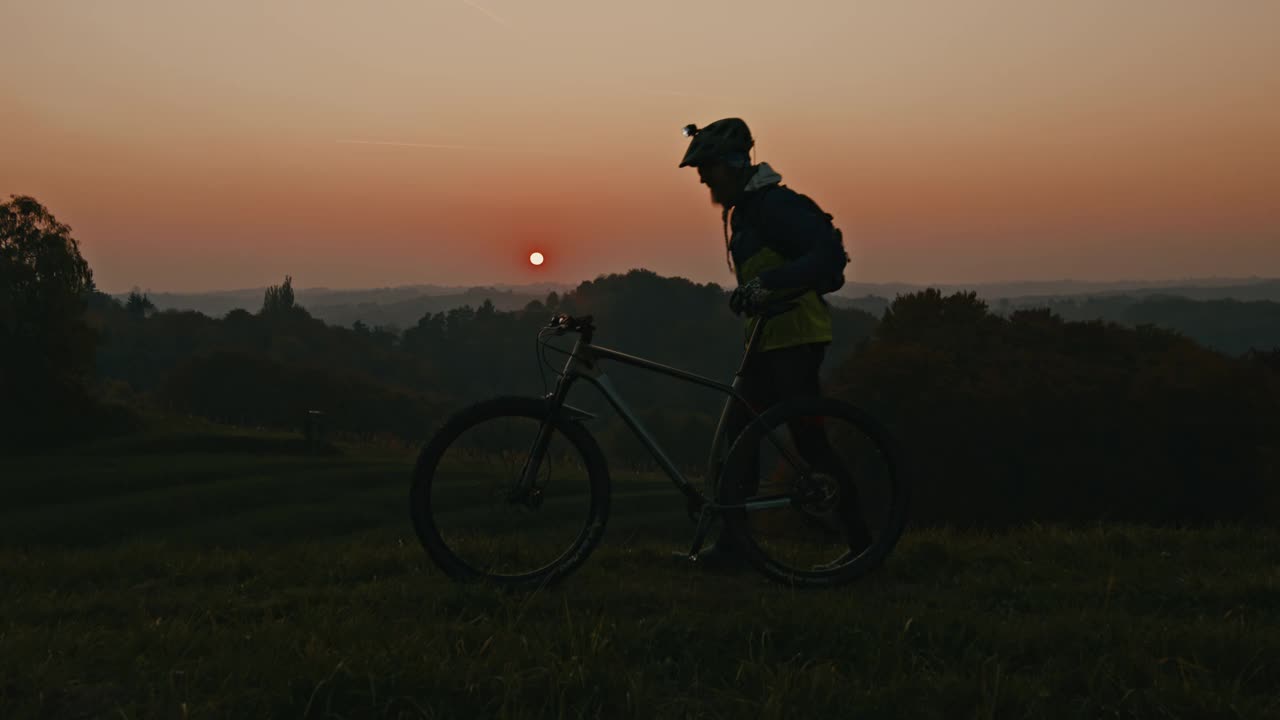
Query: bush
(251, 389)
(1037, 419)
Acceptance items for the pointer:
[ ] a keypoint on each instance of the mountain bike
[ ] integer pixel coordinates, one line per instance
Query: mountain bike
(515, 491)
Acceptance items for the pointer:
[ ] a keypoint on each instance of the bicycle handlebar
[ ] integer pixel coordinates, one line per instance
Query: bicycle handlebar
(563, 323)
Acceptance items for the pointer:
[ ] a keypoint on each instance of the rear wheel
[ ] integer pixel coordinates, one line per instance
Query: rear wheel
(475, 521)
(819, 492)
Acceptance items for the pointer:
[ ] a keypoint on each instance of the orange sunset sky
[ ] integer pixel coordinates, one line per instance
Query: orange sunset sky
(204, 145)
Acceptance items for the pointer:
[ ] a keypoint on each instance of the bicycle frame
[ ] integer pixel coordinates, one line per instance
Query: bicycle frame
(584, 363)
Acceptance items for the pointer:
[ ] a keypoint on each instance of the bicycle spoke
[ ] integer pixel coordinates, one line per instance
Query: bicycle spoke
(483, 518)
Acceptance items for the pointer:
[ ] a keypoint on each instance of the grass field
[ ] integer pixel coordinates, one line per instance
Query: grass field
(222, 576)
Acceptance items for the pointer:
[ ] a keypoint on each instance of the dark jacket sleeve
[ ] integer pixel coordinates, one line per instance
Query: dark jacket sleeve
(801, 234)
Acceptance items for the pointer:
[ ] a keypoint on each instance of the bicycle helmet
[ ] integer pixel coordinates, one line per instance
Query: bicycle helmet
(716, 140)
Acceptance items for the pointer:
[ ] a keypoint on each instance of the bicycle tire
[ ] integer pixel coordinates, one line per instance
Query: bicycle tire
(423, 510)
(739, 463)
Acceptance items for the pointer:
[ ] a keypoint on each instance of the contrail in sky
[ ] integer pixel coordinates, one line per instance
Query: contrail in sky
(696, 96)
(492, 15)
(434, 146)
(403, 144)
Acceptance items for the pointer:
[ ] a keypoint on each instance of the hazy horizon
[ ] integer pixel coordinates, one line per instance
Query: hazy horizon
(301, 287)
(209, 147)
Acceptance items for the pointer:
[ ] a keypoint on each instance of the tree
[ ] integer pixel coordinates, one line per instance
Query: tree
(278, 298)
(1033, 418)
(138, 304)
(46, 346)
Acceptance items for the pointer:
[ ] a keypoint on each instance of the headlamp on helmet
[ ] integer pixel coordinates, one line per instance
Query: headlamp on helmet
(713, 142)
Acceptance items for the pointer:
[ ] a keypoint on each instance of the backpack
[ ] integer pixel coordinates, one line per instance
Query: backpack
(834, 279)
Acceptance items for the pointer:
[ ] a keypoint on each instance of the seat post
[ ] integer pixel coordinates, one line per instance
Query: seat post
(756, 334)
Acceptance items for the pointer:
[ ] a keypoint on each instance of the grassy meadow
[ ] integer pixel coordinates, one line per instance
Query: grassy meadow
(201, 573)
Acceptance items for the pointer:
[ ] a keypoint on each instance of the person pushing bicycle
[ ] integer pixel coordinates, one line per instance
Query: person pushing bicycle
(776, 239)
(515, 490)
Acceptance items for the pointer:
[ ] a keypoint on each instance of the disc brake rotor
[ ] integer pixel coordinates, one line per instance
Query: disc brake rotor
(822, 495)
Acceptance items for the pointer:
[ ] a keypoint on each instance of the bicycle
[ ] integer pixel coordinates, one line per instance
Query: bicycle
(805, 525)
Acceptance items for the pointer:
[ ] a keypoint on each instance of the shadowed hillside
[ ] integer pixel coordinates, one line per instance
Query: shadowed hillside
(1037, 418)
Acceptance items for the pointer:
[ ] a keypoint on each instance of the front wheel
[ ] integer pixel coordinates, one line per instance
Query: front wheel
(476, 520)
(817, 492)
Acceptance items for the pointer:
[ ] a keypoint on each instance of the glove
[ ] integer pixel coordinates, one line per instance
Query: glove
(748, 298)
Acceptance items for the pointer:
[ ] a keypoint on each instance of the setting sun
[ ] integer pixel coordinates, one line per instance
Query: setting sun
(536, 258)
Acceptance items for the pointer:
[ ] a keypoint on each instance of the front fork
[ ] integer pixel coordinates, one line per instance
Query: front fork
(526, 490)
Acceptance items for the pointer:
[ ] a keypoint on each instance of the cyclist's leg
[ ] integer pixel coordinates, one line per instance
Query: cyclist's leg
(795, 373)
(768, 378)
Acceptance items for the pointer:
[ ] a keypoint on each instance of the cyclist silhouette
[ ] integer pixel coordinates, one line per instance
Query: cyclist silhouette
(775, 239)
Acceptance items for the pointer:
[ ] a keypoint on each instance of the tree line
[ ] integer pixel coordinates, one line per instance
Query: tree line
(1006, 417)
